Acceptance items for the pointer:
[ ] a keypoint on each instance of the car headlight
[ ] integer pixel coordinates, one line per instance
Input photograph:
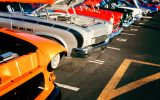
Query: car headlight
(98, 4)
(110, 28)
(55, 61)
(112, 20)
(121, 16)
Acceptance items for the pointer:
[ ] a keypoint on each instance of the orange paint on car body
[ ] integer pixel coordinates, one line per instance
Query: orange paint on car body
(25, 67)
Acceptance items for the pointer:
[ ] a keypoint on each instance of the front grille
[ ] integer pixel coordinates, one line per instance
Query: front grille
(100, 39)
(129, 18)
(27, 91)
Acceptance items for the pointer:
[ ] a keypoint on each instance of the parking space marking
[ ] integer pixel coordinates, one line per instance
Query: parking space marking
(114, 81)
(128, 34)
(141, 23)
(121, 40)
(68, 87)
(146, 17)
(109, 92)
(147, 63)
(135, 26)
(113, 48)
(97, 61)
(134, 85)
(133, 29)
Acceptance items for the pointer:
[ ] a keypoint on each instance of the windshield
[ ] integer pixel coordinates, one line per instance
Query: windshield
(10, 44)
(30, 7)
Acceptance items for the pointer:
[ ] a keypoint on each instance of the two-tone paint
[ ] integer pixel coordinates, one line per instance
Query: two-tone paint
(76, 35)
(86, 8)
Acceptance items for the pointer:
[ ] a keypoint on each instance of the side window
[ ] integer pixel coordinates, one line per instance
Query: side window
(14, 27)
(16, 7)
(29, 30)
(9, 8)
(3, 7)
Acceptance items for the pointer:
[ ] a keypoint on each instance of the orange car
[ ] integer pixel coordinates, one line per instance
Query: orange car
(26, 66)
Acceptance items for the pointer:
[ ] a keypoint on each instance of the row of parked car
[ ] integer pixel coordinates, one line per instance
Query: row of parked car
(74, 28)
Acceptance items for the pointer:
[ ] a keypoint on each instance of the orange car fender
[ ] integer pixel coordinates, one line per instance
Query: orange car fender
(46, 48)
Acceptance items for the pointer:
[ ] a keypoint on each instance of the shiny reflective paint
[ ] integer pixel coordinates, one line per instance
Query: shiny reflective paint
(18, 70)
(87, 8)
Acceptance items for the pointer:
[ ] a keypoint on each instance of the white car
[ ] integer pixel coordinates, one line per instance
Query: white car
(80, 35)
(137, 11)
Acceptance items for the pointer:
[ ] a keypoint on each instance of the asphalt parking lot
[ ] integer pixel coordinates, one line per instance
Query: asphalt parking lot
(128, 69)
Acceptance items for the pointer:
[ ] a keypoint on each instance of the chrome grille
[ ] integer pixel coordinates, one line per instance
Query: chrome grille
(27, 91)
(129, 18)
(100, 39)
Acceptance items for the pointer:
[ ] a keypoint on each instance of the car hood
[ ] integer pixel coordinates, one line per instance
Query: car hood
(57, 6)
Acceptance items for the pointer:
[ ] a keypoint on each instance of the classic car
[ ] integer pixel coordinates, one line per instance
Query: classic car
(81, 7)
(80, 35)
(137, 12)
(150, 3)
(151, 9)
(27, 63)
(127, 19)
(157, 4)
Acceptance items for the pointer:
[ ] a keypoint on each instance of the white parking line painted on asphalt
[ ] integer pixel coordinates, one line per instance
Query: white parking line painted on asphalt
(128, 34)
(141, 23)
(121, 40)
(135, 26)
(133, 29)
(113, 48)
(97, 61)
(147, 17)
(68, 87)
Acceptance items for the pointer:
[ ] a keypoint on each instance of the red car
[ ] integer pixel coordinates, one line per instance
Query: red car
(87, 8)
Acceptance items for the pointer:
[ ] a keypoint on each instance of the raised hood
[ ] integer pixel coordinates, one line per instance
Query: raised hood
(30, 1)
(65, 4)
